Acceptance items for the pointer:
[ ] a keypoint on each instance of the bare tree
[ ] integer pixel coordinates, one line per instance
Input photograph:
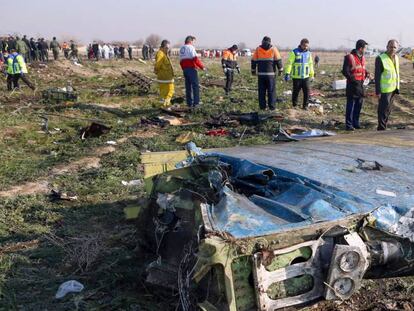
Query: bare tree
(138, 43)
(153, 39)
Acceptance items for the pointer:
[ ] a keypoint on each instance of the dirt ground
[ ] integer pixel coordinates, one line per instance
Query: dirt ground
(44, 242)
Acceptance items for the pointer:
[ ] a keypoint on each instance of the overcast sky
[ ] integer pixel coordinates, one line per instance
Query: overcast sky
(326, 23)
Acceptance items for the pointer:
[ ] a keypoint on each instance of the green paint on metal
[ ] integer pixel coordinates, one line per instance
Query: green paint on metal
(294, 286)
(291, 287)
(281, 261)
(243, 283)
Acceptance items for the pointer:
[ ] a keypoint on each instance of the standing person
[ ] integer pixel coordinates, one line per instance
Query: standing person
(16, 69)
(145, 52)
(229, 64)
(28, 55)
(265, 60)
(105, 51)
(44, 49)
(55, 47)
(300, 67)
(354, 70)
(122, 51)
(11, 44)
(74, 51)
(387, 82)
(317, 59)
(116, 51)
(165, 73)
(21, 47)
(65, 48)
(33, 50)
(39, 49)
(189, 63)
(96, 52)
(130, 52)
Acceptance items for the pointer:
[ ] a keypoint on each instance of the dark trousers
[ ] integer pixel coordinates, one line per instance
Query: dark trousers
(352, 111)
(192, 91)
(28, 57)
(96, 54)
(384, 109)
(298, 85)
(13, 81)
(267, 86)
(55, 54)
(229, 80)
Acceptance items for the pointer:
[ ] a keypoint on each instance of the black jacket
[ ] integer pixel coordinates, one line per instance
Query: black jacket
(354, 88)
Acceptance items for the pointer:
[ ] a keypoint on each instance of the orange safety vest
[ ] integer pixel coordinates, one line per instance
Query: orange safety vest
(265, 60)
(357, 67)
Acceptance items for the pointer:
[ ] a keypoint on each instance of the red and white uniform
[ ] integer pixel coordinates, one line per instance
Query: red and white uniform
(188, 58)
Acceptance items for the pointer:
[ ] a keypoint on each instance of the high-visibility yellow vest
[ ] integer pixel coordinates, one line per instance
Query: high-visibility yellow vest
(16, 64)
(300, 64)
(390, 77)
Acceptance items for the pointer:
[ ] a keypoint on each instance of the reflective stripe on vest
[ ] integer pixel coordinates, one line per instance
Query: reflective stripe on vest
(301, 66)
(390, 77)
(357, 67)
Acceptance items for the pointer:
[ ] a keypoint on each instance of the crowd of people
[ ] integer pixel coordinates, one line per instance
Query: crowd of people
(37, 49)
(99, 51)
(266, 64)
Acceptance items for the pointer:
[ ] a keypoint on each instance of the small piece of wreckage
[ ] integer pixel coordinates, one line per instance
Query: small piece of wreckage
(230, 234)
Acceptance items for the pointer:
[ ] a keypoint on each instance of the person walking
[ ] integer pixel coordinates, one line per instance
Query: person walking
(354, 70)
(265, 60)
(55, 47)
(387, 82)
(16, 70)
(165, 73)
(229, 64)
(299, 67)
(189, 63)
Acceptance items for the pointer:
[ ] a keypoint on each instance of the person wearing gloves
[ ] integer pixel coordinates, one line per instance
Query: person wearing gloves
(165, 73)
(189, 63)
(263, 64)
(229, 64)
(299, 67)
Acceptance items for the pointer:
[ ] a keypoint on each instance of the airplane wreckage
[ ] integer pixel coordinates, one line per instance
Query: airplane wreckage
(230, 234)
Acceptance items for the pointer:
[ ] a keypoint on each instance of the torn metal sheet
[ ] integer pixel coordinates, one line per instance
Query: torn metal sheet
(246, 236)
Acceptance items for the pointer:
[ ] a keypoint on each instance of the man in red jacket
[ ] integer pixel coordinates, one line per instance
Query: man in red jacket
(354, 69)
(190, 63)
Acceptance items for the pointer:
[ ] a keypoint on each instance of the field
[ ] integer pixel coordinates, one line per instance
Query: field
(44, 241)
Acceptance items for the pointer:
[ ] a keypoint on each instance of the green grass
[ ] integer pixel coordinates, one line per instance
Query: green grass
(29, 277)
